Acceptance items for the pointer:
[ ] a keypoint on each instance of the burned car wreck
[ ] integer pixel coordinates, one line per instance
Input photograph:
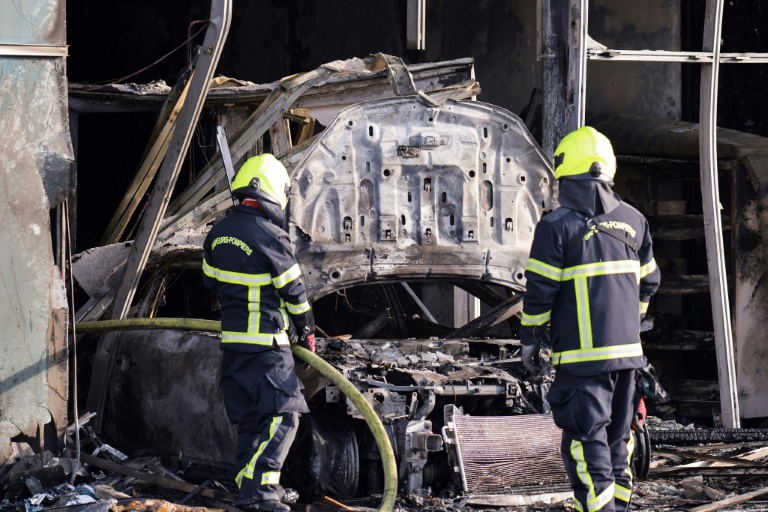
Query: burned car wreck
(401, 209)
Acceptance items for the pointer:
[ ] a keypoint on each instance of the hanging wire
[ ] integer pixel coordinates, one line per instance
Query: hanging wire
(200, 139)
(75, 409)
(114, 81)
(190, 37)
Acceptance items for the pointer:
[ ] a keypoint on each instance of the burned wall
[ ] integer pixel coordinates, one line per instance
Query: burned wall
(743, 159)
(35, 158)
(742, 103)
(27, 22)
(648, 89)
(273, 39)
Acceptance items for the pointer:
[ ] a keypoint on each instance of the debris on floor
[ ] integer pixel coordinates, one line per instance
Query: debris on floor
(732, 476)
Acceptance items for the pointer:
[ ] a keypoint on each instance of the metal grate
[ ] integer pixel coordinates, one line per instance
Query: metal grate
(504, 454)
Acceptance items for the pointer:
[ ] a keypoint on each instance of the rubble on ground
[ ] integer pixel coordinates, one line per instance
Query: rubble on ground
(109, 481)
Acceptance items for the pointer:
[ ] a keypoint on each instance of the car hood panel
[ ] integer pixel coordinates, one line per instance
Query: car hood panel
(403, 188)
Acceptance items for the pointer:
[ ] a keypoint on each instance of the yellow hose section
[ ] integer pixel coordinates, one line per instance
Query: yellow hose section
(370, 416)
(137, 324)
(346, 387)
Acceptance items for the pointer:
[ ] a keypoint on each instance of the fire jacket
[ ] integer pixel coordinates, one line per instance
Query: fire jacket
(250, 263)
(592, 287)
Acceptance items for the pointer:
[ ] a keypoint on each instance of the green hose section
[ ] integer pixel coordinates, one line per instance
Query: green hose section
(370, 416)
(318, 363)
(137, 324)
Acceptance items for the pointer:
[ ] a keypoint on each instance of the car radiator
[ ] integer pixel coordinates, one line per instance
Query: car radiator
(505, 460)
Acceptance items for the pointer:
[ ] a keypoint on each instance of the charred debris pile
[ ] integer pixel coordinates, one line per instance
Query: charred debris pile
(690, 468)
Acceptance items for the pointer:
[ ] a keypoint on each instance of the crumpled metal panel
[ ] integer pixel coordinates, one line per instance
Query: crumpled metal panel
(35, 159)
(405, 188)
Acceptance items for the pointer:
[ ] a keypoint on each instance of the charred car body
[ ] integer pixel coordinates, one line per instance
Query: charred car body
(398, 207)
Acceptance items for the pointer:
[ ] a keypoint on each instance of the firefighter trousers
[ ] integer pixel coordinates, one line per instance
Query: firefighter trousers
(262, 396)
(595, 413)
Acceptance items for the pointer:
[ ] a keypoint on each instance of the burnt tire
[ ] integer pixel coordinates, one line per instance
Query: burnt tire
(641, 457)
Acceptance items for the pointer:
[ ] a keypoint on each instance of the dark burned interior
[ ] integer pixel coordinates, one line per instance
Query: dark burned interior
(679, 340)
(421, 369)
(659, 174)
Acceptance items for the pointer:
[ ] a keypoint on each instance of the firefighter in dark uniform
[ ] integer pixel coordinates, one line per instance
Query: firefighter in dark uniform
(590, 276)
(250, 263)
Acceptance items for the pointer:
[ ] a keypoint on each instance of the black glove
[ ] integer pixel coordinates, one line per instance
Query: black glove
(531, 358)
(648, 385)
(303, 331)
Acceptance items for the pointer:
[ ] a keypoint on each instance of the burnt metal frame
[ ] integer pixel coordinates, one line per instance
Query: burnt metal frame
(213, 43)
(343, 90)
(713, 229)
(34, 50)
(416, 28)
(268, 113)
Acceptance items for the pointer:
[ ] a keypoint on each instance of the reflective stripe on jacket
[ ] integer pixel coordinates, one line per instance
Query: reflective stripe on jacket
(591, 287)
(250, 263)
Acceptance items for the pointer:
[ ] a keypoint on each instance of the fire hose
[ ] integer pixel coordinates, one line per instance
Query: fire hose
(328, 371)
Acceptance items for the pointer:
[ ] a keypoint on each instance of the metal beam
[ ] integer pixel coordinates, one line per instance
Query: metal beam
(226, 158)
(466, 307)
(415, 31)
(221, 14)
(493, 316)
(713, 229)
(419, 303)
(211, 207)
(74, 135)
(553, 32)
(686, 57)
(280, 137)
(270, 110)
(159, 141)
(576, 97)
(213, 42)
(34, 50)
